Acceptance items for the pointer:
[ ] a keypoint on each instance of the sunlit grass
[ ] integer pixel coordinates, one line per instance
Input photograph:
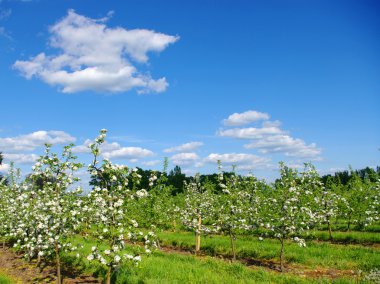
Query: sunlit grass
(178, 268)
(315, 254)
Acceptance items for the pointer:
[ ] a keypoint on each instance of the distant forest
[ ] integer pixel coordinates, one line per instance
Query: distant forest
(176, 179)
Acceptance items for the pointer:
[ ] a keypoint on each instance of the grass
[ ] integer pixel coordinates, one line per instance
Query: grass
(170, 268)
(353, 257)
(5, 279)
(176, 268)
(369, 237)
(353, 237)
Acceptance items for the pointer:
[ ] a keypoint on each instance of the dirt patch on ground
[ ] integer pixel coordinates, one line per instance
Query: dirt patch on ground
(21, 271)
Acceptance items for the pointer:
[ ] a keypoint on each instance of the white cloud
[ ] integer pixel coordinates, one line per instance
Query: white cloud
(4, 168)
(97, 58)
(290, 146)
(151, 163)
(82, 148)
(30, 142)
(269, 138)
(250, 132)
(130, 153)
(187, 147)
(184, 158)
(115, 150)
(104, 148)
(21, 158)
(242, 161)
(243, 118)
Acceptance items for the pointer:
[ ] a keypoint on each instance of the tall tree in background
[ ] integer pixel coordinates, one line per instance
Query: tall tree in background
(176, 178)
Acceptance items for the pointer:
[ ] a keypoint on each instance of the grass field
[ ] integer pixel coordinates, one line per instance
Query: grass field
(321, 254)
(353, 237)
(305, 265)
(319, 262)
(178, 268)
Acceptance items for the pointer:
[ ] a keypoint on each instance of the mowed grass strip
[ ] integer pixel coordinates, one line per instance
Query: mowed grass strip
(316, 254)
(178, 268)
(365, 238)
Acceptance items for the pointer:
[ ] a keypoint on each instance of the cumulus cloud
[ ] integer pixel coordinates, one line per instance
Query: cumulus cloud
(105, 147)
(187, 147)
(250, 132)
(242, 161)
(94, 57)
(238, 119)
(151, 163)
(290, 146)
(21, 158)
(184, 158)
(4, 168)
(115, 150)
(269, 137)
(30, 142)
(132, 153)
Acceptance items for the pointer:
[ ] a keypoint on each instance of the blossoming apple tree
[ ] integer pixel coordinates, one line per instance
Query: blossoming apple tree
(112, 224)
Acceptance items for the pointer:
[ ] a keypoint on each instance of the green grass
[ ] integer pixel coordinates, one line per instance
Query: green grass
(5, 280)
(175, 268)
(182, 268)
(342, 226)
(315, 254)
(353, 237)
(339, 236)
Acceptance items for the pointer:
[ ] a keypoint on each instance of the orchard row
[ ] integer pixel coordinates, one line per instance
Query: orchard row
(40, 214)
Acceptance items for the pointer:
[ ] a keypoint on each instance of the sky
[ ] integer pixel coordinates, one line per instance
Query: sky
(250, 83)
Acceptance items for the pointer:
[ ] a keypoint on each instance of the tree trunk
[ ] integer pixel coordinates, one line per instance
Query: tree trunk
(3, 244)
(233, 245)
(38, 259)
(198, 236)
(330, 231)
(108, 281)
(282, 255)
(58, 263)
(348, 224)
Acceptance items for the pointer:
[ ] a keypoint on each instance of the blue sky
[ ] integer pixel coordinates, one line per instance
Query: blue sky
(249, 82)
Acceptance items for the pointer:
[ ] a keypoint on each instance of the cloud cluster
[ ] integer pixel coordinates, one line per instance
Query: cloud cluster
(292, 147)
(21, 158)
(94, 57)
(243, 118)
(187, 147)
(151, 163)
(184, 159)
(268, 137)
(17, 149)
(114, 150)
(242, 161)
(30, 142)
(4, 168)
